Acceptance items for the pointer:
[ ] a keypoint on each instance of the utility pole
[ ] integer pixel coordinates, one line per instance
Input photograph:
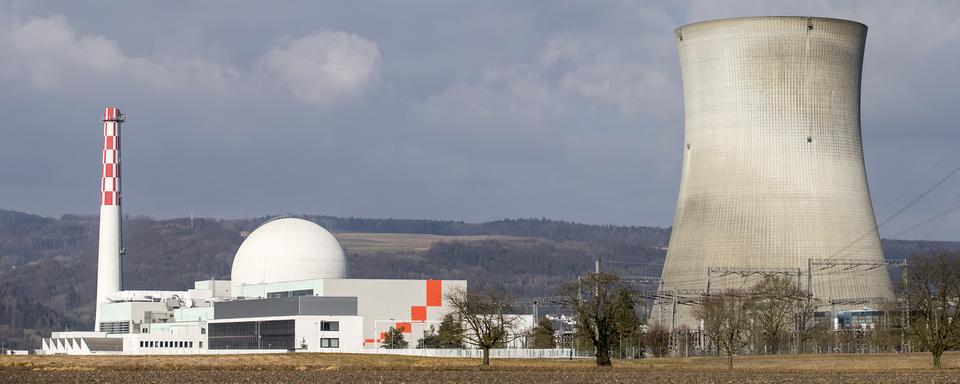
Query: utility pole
(708, 281)
(536, 314)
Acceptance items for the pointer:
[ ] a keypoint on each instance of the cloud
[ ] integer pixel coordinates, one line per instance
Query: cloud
(608, 74)
(48, 53)
(324, 67)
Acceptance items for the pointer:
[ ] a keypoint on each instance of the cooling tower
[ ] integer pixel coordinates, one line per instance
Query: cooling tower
(108, 258)
(773, 171)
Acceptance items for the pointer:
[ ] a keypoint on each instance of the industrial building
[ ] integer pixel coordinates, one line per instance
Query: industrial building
(773, 178)
(289, 291)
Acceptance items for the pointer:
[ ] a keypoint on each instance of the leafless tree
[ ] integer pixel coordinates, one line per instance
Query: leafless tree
(933, 295)
(657, 341)
(807, 327)
(489, 323)
(775, 304)
(726, 321)
(593, 302)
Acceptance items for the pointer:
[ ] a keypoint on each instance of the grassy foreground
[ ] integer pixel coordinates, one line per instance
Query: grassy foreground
(329, 361)
(342, 368)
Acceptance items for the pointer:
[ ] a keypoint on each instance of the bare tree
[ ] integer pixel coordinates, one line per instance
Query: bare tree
(775, 303)
(489, 325)
(807, 327)
(593, 301)
(657, 341)
(726, 321)
(933, 294)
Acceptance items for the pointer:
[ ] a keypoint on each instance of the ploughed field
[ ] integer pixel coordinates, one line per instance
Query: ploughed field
(306, 368)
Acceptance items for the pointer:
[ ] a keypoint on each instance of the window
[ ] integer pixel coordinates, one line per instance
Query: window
(273, 334)
(115, 326)
(201, 345)
(330, 326)
(297, 293)
(329, 343)
(191, 345)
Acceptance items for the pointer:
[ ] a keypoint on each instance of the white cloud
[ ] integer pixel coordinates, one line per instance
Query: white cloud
(48, 53)
(324, 67)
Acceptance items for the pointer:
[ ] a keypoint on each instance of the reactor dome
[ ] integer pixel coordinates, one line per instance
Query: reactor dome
(287, 249)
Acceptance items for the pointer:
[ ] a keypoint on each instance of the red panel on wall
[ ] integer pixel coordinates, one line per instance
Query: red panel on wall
(418, 313)
(383, 335)
(404, 327)
(434, 293)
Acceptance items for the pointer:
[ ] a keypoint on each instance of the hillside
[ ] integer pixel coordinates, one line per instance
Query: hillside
(48, 265)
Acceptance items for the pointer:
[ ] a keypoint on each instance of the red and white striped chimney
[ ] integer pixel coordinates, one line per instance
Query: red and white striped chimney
(108, 259)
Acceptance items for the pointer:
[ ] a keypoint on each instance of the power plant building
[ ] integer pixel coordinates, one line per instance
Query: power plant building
(289, 291)
(773, 174)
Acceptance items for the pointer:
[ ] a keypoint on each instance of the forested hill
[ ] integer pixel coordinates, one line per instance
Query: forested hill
(48, 265)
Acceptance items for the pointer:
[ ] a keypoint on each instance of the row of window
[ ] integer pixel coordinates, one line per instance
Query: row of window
(297, 293)
(115, 326)
(168, 344)
(267, 334)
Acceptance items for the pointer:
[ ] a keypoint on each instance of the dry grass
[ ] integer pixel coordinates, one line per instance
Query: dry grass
(311, 361)
(341, 368)
(398, 242)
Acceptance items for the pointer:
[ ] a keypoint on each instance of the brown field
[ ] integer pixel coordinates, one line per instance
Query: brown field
(395, 242)
(304, 367)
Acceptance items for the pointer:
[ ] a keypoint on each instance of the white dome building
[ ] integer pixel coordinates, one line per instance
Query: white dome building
(287, 249)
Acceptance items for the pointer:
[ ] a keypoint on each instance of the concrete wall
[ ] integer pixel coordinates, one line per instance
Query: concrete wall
(773, 171)
(307, 331)
(391, 303)
(285, 306)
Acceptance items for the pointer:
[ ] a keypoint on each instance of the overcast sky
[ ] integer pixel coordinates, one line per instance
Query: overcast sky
(474, 110)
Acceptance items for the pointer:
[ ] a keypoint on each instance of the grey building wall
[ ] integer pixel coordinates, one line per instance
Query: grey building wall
(773, 171)
(383, 303)
(286, 306)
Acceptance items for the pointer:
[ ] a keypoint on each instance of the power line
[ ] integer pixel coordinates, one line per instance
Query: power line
(942, 216)
(905, 207)
(938, 216)
(925, 176)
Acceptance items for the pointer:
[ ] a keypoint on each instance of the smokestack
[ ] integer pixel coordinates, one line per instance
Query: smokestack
(108, 260)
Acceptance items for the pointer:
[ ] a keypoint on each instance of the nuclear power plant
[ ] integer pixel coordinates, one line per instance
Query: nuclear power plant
(773, 178)
(289, 291)
(773, 183)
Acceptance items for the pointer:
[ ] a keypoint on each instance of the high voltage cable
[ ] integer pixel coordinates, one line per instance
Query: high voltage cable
(905, 207)
(942, 216)
(922, 195)
(929, 172)
(939, 215)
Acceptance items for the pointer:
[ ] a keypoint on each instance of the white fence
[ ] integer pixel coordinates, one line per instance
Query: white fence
(519, 353)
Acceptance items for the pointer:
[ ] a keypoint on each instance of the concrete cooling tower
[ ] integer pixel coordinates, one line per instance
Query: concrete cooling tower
(773, 179)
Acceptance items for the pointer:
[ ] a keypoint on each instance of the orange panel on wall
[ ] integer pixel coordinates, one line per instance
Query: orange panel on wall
(418, 313)
(404, 327)
(434, 293)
